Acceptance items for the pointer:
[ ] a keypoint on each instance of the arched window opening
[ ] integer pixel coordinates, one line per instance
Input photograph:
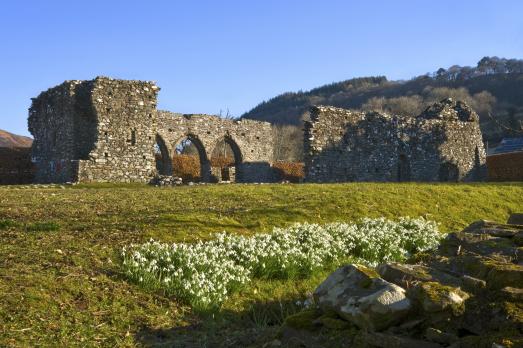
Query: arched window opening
(189, 160)
(403, 168)
(161, 155)
(225, 160)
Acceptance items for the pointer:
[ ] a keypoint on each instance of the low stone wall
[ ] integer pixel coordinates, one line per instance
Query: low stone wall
(468, 293)
(16, 166)
(505, 167)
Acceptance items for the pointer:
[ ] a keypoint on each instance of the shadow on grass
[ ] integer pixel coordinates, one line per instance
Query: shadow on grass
(252, 327)
(42, 227)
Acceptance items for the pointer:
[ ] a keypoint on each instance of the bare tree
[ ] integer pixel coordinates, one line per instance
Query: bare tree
(288, 143)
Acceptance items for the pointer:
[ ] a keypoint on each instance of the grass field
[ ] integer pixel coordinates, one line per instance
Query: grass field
(61, 281)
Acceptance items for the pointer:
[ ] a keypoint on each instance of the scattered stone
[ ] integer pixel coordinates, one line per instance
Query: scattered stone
(518, 239)
(514, 294)
(498, 274)
(167, 180)
(435, 297)
(478, 243)
(515, 219)
(473, 284)
(437, 336)
(406, 275)
(383, 340)
(360, 296)
(423, 305)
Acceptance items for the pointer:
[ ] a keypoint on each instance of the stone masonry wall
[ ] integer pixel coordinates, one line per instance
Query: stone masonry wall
(51, 121)
(99, 130)
(442, 144)
(126, 132)
(251, 141)
(106, 130)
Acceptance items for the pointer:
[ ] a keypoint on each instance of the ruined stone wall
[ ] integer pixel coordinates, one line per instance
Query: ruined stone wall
(344, 145)
(16, 166)
(51, 121)
(107, 129)
(126, 132)
(99, 130)
(251, 141)
(442, 144)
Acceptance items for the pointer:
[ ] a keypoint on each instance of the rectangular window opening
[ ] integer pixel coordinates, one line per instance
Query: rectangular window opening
(133, 137)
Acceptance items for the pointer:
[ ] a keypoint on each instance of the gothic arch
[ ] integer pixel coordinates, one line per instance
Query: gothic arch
(223, 169)
(205, 167)
(164, 165)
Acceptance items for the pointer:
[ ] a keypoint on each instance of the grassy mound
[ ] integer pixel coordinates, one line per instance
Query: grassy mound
(60, 282)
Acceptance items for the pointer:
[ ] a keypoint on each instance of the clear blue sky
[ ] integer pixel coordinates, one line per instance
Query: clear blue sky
(212, 55)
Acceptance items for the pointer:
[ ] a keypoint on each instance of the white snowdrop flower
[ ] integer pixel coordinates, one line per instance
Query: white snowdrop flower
(205, 273)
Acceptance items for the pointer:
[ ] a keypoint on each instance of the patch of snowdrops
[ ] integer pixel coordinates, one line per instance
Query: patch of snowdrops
(203, 274)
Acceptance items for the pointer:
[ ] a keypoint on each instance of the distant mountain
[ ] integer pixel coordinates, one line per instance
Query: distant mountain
(494, 88)
(12, 140)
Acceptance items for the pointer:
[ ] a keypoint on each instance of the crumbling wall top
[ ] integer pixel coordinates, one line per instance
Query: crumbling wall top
(450, 110)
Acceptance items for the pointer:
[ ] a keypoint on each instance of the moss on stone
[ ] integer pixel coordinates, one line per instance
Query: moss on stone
(509, 339)
(370, 272)
(435, 296)
(334, 324)
(502, 274)
(499, 243)
(421, 257)
(304, 320)
(514, 311)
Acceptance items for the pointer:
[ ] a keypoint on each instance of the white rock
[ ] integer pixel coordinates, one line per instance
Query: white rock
(358, 295)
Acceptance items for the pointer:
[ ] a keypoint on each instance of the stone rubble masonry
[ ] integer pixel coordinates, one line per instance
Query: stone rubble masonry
(105, 130)
(251, 142)
(444, 143)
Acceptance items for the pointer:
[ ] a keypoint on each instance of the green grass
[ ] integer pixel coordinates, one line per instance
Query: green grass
(60, 281)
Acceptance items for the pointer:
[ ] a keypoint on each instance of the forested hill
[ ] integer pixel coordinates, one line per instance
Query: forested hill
(494, 87)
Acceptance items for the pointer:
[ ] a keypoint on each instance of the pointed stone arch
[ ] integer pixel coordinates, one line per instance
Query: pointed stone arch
(226, 165)
(205, 167)
(164, 164)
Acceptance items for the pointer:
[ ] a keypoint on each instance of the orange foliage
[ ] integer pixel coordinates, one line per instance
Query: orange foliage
(505, 167)
(291, 171)
(222, 161)
(186, 167)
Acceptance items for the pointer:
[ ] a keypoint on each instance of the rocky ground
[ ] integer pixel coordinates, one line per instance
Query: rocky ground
(467, 294)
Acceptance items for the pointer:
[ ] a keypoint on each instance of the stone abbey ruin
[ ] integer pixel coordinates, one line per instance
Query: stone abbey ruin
(109, 130)
(444, 143)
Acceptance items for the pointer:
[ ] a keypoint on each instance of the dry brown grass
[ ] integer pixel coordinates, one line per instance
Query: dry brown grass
(291, 171)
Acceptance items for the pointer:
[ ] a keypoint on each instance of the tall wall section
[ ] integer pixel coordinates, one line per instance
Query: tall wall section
(98, 130)
(125, 133)
(54, 127)
(344, 145)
